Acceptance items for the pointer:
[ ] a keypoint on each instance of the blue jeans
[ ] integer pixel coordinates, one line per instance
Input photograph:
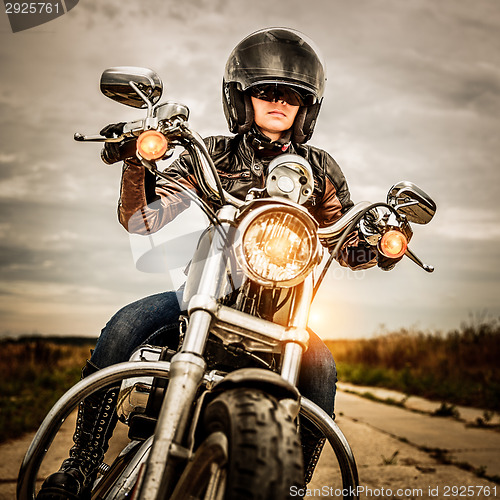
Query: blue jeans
(155, 320)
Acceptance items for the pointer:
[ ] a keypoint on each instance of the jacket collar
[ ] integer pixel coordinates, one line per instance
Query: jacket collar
(263, 146)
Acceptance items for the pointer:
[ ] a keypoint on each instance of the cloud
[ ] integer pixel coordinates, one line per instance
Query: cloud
(8, 158)
(413, 93)
(466, 223)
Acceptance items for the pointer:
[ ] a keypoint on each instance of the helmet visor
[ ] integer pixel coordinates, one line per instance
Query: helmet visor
(274, 92)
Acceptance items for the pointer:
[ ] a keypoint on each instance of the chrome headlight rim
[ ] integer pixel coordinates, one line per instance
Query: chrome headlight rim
(285, 207)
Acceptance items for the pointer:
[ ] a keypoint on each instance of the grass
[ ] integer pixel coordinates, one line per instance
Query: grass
(33, 375)
(459, 367)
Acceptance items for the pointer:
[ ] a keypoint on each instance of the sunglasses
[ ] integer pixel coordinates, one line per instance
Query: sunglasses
(283, 93)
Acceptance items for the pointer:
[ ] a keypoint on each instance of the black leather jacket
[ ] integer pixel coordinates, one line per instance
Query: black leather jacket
(146, 205)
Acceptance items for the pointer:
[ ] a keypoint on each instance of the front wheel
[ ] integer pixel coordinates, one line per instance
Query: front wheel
(263, 453)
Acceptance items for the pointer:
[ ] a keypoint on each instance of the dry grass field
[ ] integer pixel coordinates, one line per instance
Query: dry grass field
(33, 375)
(459, 367)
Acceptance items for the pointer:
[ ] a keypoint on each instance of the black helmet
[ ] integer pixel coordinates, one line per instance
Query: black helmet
(274, 56)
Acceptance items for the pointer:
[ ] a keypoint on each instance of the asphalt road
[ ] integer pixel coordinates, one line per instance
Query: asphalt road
(388, 443)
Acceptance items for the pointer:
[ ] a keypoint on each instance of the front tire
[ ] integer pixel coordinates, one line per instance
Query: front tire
(264, 452)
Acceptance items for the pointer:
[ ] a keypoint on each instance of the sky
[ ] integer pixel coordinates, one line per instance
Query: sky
(413, 93)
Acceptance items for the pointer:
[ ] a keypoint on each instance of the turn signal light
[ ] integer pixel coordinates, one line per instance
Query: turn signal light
(393, 244)
(152, 145)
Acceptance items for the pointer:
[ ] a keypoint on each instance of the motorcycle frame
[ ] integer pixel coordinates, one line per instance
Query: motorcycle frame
(187, 371)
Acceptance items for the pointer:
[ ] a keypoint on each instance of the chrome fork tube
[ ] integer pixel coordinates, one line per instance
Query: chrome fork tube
(186, 373)
(292, 358)
(187, 369)
(203, 305)
(292, 355)
(197, 331)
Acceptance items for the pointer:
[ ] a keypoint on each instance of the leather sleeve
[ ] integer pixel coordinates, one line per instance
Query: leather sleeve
(334, 202)
(145, 205)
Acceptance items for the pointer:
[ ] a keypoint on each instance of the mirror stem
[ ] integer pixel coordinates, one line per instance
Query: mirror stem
(144, 97)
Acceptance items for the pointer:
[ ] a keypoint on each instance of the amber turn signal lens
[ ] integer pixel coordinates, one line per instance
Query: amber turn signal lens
(393, 244)
(152, 145)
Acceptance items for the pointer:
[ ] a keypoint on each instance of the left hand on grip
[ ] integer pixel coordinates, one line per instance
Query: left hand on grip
(113, 152)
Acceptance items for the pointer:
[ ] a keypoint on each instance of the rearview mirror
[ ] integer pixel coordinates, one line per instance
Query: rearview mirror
(409, 200)
(115, 84)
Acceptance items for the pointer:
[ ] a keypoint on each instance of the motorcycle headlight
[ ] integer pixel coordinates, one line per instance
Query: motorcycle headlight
(278, 245)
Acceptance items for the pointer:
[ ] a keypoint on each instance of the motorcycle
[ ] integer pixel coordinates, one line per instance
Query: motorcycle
(220, 416)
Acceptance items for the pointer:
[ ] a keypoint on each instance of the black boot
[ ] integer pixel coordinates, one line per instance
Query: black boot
(94, 426)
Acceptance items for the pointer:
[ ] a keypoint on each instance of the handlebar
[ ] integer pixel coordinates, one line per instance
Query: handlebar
(325, 233)
(210, 184)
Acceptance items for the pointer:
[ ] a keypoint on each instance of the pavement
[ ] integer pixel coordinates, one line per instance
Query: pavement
(393, 469)
(466, 414)
(455, 439)
(401, 449)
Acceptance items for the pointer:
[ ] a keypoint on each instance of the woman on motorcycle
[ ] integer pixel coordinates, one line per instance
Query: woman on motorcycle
(272, 93)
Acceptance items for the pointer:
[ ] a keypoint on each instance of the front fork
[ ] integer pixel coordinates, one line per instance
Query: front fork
(188, 366)
(292, 355)
(187, 370)
(186, 373)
